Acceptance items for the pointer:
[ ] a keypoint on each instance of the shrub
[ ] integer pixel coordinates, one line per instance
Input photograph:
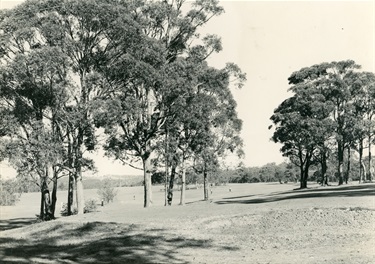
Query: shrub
(107, 192)
(90, 206)
(8, 192)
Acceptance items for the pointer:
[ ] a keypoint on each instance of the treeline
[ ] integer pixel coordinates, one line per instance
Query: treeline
(329, 117)
(130, 77)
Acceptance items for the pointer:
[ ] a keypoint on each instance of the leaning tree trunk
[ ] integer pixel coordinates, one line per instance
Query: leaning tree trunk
(183, 183)
(171, 183)
(305, 172)
(340, 162)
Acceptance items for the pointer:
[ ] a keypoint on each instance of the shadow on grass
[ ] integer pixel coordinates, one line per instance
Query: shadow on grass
(16, 223)
(337, 191)
(98, 242)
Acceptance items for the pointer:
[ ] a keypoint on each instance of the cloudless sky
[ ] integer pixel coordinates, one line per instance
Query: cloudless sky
(269, 41)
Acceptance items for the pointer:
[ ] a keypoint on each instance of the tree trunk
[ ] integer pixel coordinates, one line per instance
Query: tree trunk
(54, 194)
(304, 178)
(348, 167)
(41, 213)
(147, 182)
(302, 175)
(340, 153)
(45, 208)
(183, 183)
(166, 191)
(79, 192)
(361, 168)
(370, 169)
(324, 169)
(70, 194)
(205, 184)
(171, 183)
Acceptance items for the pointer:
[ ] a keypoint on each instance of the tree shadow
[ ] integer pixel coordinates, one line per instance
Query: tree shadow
(16, 223)
(99, 242)
(333, 191)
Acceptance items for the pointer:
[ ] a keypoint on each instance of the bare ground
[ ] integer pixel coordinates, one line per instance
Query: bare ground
(254, 223)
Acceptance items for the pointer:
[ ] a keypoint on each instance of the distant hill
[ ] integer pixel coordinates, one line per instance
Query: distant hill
(117, 180)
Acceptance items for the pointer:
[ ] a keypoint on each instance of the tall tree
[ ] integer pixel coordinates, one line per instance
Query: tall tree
(302, 122)
(83, 32)
(144, 89)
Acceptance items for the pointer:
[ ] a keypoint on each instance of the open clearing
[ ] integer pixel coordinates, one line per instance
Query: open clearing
(254, 223)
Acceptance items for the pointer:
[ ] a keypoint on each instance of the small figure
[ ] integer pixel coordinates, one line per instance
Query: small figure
(102, 202)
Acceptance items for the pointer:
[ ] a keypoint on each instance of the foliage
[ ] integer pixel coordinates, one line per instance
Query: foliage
(9, 192)
(107, 191)
(158, 177)
(133, 68)
(328, 108)
(91, 205)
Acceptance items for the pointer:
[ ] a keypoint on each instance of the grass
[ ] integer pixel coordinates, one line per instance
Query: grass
(252, 223)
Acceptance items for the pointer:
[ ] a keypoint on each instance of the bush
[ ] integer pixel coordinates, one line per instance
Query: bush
(90, 206)
(107, 192)
(64, 210)
(8, 193)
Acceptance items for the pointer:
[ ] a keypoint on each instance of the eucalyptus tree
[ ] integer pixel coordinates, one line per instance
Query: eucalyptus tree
(144, 91)
(363, 98)
(368, 83)
(85, 32)
(31, 87)
(303, 123)
(341, 76)
(335, 81)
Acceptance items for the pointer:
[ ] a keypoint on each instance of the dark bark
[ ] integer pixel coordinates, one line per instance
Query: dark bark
(54, 194)
(301, 177)
(361, 168)
(70, 194)
(348, 167)
(340, 153)
(324, 169)
(205, 184)
(171, 183)
(41, 213)
(71, 176)
(45, 207)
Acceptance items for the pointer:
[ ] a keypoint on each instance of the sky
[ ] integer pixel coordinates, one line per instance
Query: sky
(269, 40)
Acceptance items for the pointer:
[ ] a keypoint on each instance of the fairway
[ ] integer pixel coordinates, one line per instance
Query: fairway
(243, 223)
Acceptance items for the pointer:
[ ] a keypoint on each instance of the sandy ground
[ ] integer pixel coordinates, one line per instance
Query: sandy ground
(251, 223)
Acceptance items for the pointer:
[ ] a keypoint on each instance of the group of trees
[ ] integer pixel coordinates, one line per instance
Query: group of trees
(135, 69)
(331, 114)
